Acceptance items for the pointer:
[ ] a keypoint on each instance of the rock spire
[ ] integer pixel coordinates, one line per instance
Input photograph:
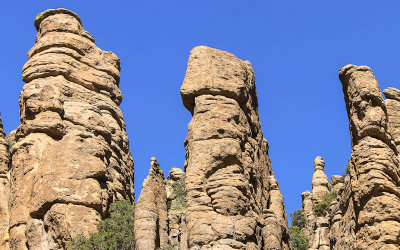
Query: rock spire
(374, 165)
(71, 158)
(231, 199)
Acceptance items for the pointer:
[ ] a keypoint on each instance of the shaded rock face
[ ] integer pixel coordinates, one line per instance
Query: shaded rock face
(71, 158)
(374, 165)
(176, 200)
(151, 218)
(392, 103)
(4, 188)
(229, 200)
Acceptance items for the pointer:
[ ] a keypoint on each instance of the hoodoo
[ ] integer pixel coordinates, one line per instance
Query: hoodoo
(231, 199)
(71, 158)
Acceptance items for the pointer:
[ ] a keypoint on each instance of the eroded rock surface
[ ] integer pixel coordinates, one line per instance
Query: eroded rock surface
(392, 103)
(176, 200)
(72, 157)
(151, 218)
(227, 164)
(320, 182)
(374, 165)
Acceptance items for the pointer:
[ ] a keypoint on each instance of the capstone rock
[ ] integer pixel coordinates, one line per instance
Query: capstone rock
(229, 200)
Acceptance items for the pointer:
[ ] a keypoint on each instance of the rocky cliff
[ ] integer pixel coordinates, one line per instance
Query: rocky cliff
(232, 199)
(71, 158)
(365, 214)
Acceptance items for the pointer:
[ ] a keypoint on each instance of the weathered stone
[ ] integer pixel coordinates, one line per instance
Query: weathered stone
(374, 166)
(393, 109)
(71, 158)
(320, 182)
(227, 163)
(151, 219)
(176, 200)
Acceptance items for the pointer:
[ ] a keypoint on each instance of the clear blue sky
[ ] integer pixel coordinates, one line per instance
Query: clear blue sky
(296, 49)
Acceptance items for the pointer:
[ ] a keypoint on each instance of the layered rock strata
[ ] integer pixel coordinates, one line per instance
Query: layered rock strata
(71, 158)
(229, 199)
(374, 165)
(320, 182)
(151, 218)
(365, 214)
(4, 188)
(316, 227)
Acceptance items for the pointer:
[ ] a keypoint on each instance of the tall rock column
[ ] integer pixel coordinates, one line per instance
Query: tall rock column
(72, 157)
(151, 218)
(320, 182)
(4, 189)
(227, 164)
(374, 166)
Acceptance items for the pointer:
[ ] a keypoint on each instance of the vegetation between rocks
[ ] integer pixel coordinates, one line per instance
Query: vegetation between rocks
(322, 207)
(298, 239)
(115, 232)
(179, 203)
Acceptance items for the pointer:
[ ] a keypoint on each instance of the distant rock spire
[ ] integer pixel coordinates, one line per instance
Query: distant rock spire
(320, 182)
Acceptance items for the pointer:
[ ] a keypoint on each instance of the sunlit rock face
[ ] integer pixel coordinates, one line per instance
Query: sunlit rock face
(230, 199)
(151, 219)
(71, 158)
(370, 203)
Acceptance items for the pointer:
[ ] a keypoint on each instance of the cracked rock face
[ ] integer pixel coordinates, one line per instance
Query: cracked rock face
(374, 166)
(227, 163)
(71, 158)
(151, 219)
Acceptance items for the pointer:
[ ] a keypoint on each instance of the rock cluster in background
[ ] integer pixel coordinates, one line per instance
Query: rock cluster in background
(159, 221)
(71, 155)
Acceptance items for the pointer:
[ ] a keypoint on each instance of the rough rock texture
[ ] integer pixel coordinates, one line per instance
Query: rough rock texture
(316, 227)
(320, 182)
(227, 164)
(151, 218)
(4, 188)
(321, 234)
(72, 157)
(366, 214)
(307, 205)
(374, 165)
(392, 103)
(176, 200)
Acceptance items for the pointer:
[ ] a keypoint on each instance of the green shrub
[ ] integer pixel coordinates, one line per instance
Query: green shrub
(322, 207)
(298, 239)
(298, 219)
(115, 232)
(179, 203)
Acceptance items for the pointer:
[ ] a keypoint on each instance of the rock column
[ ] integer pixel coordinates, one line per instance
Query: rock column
(320, 182)
(72, 157)
(151, 219)
(374, 166)
(227, 164)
